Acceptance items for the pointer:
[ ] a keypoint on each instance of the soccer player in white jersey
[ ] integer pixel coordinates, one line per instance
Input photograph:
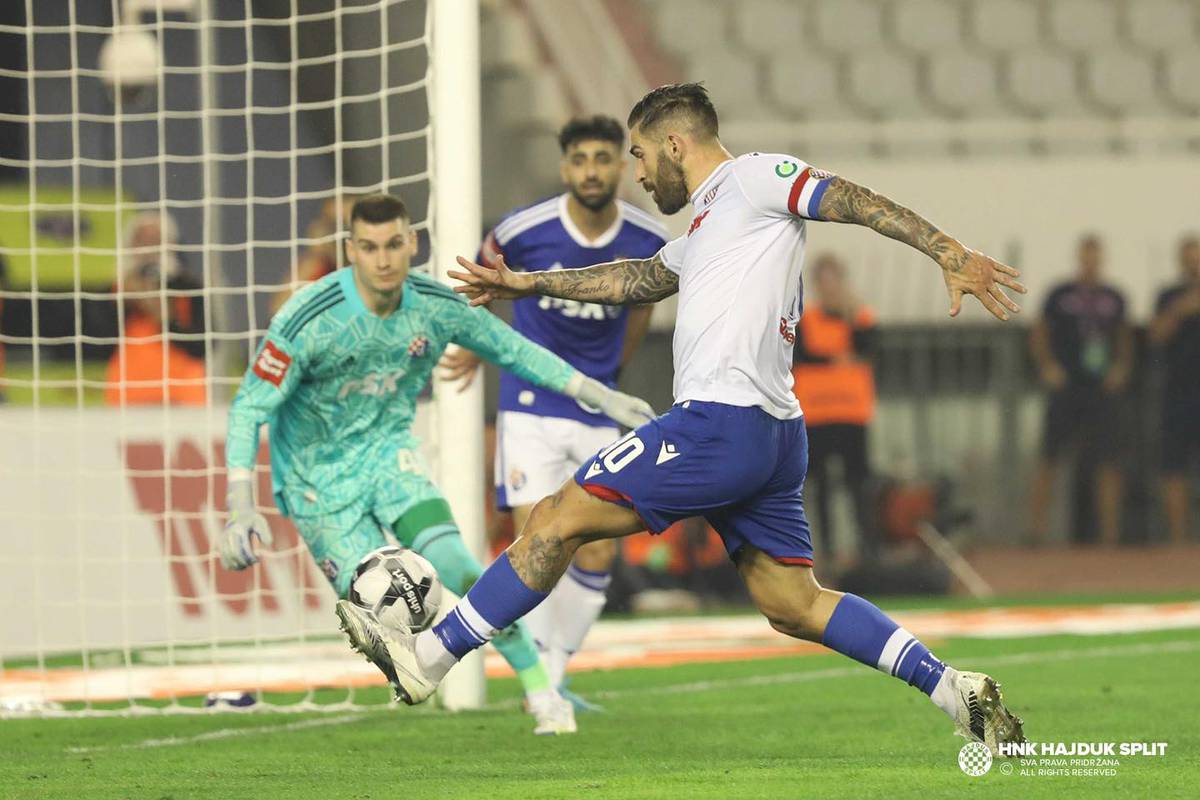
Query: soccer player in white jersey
(542, 437)
(733, 446)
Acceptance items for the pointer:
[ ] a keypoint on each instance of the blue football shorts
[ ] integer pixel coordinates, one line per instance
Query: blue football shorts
(738, 467)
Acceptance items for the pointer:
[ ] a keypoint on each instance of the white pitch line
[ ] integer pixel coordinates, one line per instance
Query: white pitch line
(1033, 656)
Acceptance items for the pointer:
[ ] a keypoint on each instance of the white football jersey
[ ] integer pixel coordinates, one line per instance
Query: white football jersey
(739, 282)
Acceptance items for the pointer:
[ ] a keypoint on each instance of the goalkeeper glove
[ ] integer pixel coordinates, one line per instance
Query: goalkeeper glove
(237, 551)
(622, 408)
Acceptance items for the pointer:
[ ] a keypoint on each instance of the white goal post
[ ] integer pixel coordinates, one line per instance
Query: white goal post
(237, 133)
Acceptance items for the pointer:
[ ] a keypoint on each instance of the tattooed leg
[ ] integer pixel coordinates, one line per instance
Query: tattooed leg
(522, 576)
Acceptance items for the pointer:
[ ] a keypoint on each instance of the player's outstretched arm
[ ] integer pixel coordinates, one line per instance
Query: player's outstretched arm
(965, 271)
(615, 283)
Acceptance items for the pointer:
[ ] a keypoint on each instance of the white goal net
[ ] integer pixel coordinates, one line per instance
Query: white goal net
(177, 167)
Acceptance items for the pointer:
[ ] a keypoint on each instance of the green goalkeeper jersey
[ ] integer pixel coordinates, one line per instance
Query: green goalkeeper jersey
(338, 385)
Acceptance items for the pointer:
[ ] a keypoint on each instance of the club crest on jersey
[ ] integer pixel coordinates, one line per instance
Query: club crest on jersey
(516, 479)
(418, 347)
(329, 569)
(272, 363)
(696, 222)
(787, 169)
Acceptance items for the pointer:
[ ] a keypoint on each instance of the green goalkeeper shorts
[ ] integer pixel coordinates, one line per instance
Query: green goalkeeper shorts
(399, 501)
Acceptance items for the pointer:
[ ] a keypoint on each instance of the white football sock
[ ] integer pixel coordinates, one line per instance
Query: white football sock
(944, 694)
(578, 598)
(433, 656)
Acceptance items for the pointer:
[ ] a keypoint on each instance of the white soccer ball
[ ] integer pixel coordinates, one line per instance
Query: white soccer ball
(399, 587)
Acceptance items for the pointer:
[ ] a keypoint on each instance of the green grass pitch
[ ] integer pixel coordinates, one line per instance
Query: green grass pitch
(814, 726)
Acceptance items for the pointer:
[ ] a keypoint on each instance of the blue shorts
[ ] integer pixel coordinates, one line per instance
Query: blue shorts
(739, 468)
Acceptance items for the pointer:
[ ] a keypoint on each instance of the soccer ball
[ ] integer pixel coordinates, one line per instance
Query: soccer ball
(399, 587)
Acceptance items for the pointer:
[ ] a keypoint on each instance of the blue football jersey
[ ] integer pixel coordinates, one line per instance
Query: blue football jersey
(588, 336)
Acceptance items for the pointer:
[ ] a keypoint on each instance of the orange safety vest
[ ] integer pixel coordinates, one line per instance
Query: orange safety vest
(834, 393)
(135, 371)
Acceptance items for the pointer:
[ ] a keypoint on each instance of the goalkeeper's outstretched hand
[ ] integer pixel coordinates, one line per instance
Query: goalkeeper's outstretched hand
(245, 524)
(482, 284)
(624, 409)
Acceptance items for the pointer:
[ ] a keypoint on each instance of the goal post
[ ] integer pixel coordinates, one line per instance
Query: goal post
(243, 130)
(457, 226)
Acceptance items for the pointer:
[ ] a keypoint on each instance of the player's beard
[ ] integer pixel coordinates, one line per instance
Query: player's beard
(670, 187)
(594, 202)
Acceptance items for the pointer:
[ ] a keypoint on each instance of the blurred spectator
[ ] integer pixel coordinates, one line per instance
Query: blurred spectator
(148, 367)
(1083, 349)
(321, 257)
(836, 388)
(1176, 329)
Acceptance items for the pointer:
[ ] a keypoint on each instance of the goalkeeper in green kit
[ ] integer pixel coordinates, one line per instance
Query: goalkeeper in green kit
(337, 379)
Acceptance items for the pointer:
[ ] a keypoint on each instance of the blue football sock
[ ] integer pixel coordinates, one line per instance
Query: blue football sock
(498, 599)
(861, 631)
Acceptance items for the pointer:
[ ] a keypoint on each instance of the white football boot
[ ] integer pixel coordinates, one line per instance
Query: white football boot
(553, 714)
(981, 715)
(393, 651)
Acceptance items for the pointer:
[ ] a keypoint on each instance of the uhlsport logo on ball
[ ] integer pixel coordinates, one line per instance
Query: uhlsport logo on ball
(975, 759)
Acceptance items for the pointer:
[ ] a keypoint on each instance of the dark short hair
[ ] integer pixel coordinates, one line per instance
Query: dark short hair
(376, 209)
(598, 127)
(688, 100)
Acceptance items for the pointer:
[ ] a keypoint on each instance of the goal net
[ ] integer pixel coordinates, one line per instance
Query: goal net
(176, 167)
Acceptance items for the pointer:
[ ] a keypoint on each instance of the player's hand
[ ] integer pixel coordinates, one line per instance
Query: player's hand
(244, 525)
(977, 274)
(483, 285)
(460, 364)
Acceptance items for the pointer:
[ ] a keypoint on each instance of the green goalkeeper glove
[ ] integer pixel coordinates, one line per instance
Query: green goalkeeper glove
(237, 548)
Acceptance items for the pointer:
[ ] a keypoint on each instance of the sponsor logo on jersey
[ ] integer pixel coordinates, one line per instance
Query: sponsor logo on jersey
(787, 330)
(418, 347)
(787, 169)
(373, 384)
(697, 221)
(272, 363)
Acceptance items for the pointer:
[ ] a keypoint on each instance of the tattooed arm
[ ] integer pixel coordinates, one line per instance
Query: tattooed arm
(629, 281)
(965, 271)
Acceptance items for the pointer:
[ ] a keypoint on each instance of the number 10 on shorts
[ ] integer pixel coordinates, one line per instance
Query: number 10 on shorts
(620, 453)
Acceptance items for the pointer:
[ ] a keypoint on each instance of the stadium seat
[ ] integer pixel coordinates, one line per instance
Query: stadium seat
(963, 83)
(1182, 72)
(1161, 24)
(767, 27)
(687, 27)
(1043, 82)
(925, 26)
(507, 43)
(1121, 83)
(806, 85)
(1082, 24)
(1002, 25)
(733, 81)
(885, 85)
(848, 25)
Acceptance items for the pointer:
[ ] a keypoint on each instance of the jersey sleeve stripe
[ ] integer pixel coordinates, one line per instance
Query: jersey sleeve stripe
(310, 313)
(797, 189)
(431, 286)
(508, 228)
(317, 299)
(814, 200)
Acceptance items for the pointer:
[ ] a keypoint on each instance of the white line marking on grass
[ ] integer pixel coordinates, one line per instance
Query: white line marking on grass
(228, 733)
(857, 670)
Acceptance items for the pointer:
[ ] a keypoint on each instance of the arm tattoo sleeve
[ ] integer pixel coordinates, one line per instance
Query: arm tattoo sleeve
(631, 281)
(848, 202)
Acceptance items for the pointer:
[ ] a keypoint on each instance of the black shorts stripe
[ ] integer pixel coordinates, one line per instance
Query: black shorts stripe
(309, 313)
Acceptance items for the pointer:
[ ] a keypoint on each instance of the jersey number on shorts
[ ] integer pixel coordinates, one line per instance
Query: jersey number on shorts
(620, 453)
(409, 462)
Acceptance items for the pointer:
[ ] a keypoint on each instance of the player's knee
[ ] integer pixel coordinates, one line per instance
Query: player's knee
(548, 521)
